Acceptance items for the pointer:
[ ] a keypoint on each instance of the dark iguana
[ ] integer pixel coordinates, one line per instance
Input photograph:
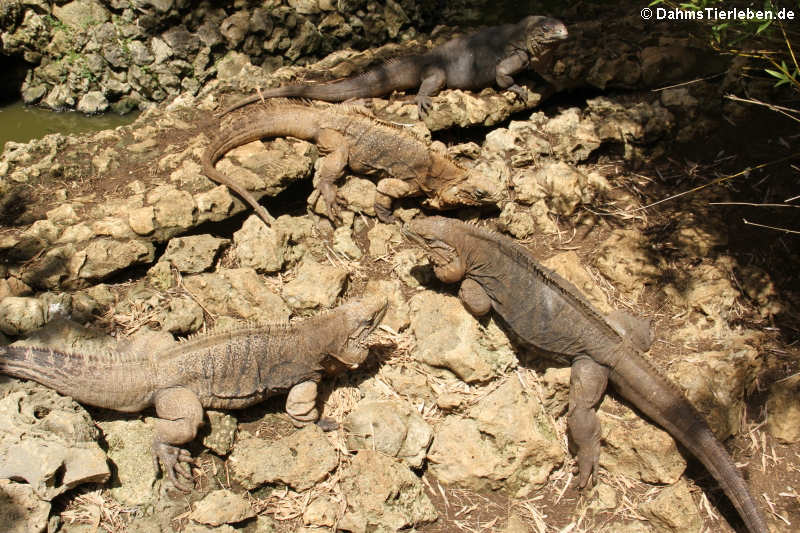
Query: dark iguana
(353, 138)
(474, 61)
(228, 369)
(544, 312)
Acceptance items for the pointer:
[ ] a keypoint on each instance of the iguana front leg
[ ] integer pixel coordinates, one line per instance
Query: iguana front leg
(433, 80)
(474, 298)
(301, 406)
(512, 64)
(586, 387)
(179, 415)
(387, 190)
(331, 168)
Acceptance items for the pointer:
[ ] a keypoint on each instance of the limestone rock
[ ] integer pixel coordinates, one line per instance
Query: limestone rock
(92, 103)
(237, 292)
(299, 460)
(562, 186)
(382, 494)
(106, 256)
(221, 507)
(321, 512)
(182, 316)
(49, 441)
(21, 511)
(20, 314)
(783, 410)
(449, 337)
(221, 433)
(315, 285)
(397, 315)
(506, 440)
(673, 510)
(637, 449)
(568, 265)
(129, 448)
(344, 244)
(390, 427)
(358, 195)
(624, 259)
(383, 238)
(193, 254)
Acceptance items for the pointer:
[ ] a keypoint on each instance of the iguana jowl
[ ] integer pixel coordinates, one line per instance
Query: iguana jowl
(228, 369)
(492, 55)
(544, 312)
(352, 138)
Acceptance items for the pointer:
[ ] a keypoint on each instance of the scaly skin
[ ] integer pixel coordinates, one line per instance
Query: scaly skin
(228, 369)
(352, 138)
(492, 55)
(546, 313)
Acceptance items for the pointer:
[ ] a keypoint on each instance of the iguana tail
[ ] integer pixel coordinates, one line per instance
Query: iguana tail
(393, 75)
(639, 382)
(110, 379)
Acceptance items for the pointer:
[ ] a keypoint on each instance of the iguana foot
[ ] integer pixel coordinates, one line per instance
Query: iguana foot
(176, 464)
(424, 106)
(521, 93)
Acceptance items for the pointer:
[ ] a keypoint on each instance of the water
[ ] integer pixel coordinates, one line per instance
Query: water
(21, 123)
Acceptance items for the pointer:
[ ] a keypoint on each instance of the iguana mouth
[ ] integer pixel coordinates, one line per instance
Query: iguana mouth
(436, 251)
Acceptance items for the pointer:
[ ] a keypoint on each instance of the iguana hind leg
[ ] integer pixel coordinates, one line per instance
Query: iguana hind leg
(586, 387)
(179, 415)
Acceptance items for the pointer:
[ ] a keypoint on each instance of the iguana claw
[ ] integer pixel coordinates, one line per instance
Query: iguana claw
(424, 106)
(521, 93)
(176, 464)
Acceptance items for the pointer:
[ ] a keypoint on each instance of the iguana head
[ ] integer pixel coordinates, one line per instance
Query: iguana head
(541, 31)
(457, 186)
(437, 238)
(359, 318)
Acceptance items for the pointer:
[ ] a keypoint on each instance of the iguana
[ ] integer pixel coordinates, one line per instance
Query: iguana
(491, 55)
(224, 369)
(546, 313)
(353, 138)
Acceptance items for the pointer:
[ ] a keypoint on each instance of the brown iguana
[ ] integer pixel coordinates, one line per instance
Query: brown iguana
(544, 312)
(353, 138)
(228, 369)
(474, 61)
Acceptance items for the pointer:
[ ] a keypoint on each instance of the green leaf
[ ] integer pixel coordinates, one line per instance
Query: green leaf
(775, 73)
(763, 26)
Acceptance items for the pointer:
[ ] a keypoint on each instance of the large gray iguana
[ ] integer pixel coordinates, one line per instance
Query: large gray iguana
(492, 55)
(226, 369)
(546, 313)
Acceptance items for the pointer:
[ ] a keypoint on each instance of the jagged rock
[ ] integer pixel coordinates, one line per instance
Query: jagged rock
(637, 449)
(200, 528)
(315, 285)
(561, 186)
(260, 247)
(397, 315)
(322, 512)
(299, 460)
(49, 441)
(383, 238)
(21, 511)
(524, 221)
(449, 337)
(237, 292)
(129, 449)
(783, 410)
(92, 103)
(506, 440)
(193, 254)
(627, 262)
(358, 195)
(20, 314)
(103, 257)
(715, 383)
(221, 433)
(344, 244)
(389, 427)
(81, 13)
(221, 507)
(382, 494)
(673, 510)
(708, 289)
(182, 316)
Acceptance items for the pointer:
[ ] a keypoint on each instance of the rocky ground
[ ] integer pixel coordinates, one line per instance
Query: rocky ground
(449, 426)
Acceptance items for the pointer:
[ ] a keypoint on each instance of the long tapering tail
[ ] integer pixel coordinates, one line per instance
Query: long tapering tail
(394, 75)
(640, 383)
